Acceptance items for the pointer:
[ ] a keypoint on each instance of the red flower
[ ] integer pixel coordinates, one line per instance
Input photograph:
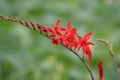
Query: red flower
(69, 38)
(84, 44)
(55, 40)
(56, 33)
(100, 67)
(57, 29)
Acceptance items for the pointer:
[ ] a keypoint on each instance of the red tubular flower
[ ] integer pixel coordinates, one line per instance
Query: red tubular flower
(57, 29)
(69, 38)
(55, 40)
(84, 44)
(100, 67)
(56, 33)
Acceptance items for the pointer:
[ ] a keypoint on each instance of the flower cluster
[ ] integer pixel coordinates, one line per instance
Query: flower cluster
(69, 37)
(64, 35)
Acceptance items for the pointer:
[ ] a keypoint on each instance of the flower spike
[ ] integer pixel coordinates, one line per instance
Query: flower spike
(67, 36)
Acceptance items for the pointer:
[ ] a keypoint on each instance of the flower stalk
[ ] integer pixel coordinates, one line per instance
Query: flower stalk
(67, 37)
(111, 52)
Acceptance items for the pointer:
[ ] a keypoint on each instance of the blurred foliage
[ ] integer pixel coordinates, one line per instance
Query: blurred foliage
(26, 55)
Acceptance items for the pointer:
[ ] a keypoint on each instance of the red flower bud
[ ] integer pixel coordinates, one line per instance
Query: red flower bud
(100, 67)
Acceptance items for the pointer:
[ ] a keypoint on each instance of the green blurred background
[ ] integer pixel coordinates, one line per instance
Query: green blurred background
(27, 55)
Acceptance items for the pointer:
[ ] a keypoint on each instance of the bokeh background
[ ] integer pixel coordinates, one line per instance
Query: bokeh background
(27, 55)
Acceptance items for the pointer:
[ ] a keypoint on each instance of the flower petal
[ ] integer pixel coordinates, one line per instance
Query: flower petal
(79, 38)
(68, 26)
(90, 43)
(87, 36)
(57, 23)
(89, 52)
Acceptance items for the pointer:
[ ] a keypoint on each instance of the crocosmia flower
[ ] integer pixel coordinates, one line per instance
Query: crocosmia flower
(57, 32)
(84, 44)
(69, 38)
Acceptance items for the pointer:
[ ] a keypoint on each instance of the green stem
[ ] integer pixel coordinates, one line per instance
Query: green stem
(85, 64)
